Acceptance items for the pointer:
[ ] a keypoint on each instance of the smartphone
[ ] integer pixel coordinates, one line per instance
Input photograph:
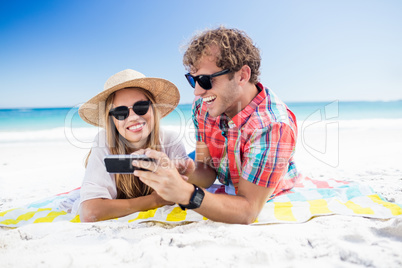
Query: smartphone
(122, 163)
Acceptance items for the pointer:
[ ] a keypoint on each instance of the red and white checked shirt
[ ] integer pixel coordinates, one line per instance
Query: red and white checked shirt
(258, 144)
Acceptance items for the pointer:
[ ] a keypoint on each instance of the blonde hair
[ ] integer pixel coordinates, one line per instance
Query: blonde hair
(128, 185)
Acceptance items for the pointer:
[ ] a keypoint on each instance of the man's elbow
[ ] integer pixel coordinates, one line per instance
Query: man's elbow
(251, 214)
(250, 218)
(203, 176)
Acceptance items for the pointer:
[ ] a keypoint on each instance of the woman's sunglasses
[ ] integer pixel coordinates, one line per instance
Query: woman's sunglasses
(204, 80)
(122, 112)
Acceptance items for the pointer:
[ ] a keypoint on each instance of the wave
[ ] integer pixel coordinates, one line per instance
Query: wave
(45, 135)
(389, 124)
(85, 135)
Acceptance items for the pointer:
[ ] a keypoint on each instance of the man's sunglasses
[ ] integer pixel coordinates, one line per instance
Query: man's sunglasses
(122, 112)
(204, 80)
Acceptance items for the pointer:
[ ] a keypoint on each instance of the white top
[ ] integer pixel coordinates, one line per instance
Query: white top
(98, 183)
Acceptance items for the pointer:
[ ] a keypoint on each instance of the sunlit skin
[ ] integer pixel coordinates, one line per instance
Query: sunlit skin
(229, 97)
(134, 128)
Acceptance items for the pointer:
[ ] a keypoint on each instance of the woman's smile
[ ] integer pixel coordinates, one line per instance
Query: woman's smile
(136, 127)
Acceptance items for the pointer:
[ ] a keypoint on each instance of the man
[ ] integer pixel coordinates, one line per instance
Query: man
(246, 136)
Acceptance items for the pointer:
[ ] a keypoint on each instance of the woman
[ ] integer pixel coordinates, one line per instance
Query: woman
(129, 109)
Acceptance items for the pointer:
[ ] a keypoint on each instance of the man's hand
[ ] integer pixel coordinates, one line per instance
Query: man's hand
(163, 177)
(184, 166)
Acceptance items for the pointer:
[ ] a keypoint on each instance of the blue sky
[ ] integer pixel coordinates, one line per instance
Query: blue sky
(60, 53)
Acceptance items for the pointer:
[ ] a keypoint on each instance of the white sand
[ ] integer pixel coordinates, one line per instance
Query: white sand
(369, 152)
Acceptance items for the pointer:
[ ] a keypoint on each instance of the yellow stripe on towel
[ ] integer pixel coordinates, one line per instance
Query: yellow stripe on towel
(283, 211)
(5, 212)
(76, 219)
(177, 214)
(24, 217)
(319, 207)
(50, 217)
(395, 209)
(357, 209)
(145, 215)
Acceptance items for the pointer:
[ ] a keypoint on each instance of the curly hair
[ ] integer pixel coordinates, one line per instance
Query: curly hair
(236, 49)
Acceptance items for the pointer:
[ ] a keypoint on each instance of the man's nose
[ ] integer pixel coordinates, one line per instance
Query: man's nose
(198, 90)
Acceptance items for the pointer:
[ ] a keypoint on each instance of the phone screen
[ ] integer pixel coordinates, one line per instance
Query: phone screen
(122, 164)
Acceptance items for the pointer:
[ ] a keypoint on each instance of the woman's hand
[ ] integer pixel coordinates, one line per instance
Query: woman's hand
(160, 202)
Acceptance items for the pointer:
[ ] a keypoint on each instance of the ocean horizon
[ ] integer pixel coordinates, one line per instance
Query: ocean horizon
(28, 119)
(58, 124)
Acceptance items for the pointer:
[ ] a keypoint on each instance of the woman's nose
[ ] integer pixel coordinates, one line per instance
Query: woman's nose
(131, 113)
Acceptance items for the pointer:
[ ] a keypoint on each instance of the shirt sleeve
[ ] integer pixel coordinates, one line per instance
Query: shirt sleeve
(98, 183)
(267, 154)
(196, 114)
(172, 145)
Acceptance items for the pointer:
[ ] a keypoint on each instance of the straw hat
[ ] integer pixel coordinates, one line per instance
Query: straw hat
(166, 95)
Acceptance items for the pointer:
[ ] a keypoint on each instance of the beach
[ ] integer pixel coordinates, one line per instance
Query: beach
(34, 165)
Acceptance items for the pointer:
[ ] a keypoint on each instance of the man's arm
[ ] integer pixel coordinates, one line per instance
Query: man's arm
(250, 198)
(269, 151)
(243, 208)
(204, 175)
(168, 183)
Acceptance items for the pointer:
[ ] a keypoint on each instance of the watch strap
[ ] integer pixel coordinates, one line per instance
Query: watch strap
(195, 199)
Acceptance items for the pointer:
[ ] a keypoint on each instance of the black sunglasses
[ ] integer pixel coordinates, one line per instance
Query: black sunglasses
(204, 80)
(122, 112)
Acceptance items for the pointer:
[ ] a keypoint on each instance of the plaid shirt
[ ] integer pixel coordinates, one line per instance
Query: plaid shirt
(258, 144)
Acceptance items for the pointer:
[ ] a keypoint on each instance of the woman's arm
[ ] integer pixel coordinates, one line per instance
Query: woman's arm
(99, 209)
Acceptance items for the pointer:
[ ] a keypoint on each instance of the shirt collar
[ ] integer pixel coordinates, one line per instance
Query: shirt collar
(241, 118)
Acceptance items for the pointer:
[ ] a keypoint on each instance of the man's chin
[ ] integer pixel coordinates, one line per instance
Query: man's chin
(213, 113)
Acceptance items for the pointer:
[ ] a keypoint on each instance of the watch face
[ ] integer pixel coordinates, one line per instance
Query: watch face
(199, 196)
(196, 199)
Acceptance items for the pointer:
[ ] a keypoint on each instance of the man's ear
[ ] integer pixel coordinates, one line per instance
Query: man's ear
(244, 75)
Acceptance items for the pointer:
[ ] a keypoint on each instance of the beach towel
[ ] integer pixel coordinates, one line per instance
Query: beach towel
(308, 199)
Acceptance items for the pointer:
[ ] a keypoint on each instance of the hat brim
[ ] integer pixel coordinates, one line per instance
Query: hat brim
(166, 96)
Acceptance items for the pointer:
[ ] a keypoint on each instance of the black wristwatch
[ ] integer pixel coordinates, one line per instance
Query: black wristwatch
(195, 200)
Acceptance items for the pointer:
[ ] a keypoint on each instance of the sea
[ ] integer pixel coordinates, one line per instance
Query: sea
(42, 124)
